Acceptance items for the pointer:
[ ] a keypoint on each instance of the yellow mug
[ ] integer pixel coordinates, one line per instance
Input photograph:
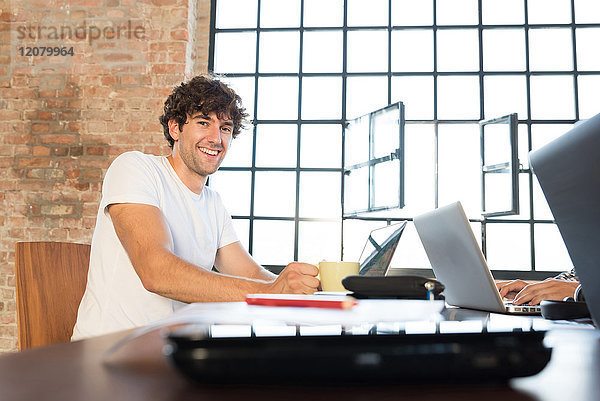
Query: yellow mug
(332, 273)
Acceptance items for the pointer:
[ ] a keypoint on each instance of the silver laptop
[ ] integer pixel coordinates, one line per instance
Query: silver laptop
(458, 262)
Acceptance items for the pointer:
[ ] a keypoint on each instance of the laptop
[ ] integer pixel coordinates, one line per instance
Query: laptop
(379, 250)
(458, 262)
(568, 170)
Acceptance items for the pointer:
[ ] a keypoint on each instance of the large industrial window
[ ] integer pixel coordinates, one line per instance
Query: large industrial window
(306, 67)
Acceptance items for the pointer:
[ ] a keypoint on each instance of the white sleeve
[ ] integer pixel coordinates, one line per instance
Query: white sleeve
(129, 179)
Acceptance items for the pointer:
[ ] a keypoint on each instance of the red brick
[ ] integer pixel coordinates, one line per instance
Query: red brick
(180, 34)
(41, 151)
(60, 138)
(34, 162)
(68, 92)
(40, 127)
(96, 150)
(49, 93)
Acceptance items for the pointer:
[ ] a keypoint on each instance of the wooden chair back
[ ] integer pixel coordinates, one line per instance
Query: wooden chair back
(50, 282)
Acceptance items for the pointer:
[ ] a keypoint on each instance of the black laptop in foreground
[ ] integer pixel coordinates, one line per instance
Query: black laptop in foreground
(375, 355)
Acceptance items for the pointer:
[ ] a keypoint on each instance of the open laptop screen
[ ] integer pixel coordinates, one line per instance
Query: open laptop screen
(379, 249)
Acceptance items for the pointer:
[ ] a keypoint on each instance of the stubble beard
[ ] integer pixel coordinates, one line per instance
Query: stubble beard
(192, 159)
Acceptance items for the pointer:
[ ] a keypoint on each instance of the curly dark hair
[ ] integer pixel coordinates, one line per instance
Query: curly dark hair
(205, 94)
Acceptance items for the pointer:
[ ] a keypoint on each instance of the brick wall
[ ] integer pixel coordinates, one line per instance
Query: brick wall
(63, 119)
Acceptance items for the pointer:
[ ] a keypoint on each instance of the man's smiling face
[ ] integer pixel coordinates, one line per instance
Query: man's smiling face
(203, 142)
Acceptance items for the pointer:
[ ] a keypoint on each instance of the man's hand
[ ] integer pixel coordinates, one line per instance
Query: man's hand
(510, 289)
(534, 293)
(296, 278)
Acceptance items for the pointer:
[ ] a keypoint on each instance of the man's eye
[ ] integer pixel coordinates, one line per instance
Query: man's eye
(226, 129)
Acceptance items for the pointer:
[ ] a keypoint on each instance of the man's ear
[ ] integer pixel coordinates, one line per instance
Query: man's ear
(174, 129)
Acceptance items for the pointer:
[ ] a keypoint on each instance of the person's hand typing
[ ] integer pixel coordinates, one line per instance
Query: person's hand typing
(534, 293)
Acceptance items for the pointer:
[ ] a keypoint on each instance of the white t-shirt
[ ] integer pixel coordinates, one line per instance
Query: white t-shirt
(198, 225)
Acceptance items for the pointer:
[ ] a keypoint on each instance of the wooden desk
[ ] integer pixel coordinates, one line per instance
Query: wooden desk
(75, 372)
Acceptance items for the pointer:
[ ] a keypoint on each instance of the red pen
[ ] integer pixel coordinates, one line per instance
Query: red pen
(314, 301)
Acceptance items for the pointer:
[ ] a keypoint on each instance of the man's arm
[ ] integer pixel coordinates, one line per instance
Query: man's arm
(233, 259)
(143, 232)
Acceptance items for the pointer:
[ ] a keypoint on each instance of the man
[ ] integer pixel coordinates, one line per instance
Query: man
(159, 230)
(565, 285)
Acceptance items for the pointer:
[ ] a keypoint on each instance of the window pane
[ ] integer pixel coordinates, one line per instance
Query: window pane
(503, 12)
(367, 51)
(410, 252)
(320, 194)
(541, 210)
(276, 145)
(321, 146)
(367, 13)
(319, 240)
(541, 134)
(356, 233)
(279, 51)
(385, 126)
(459, 166)
(587, 11)
(457, 12)
(323, 12)
(322, 51)
(524, 208)
(549, 11)
(508, 246)
(458, 50)
(386, 184)
(277, 98)
(240, 151)
(357, 102)
(273, 242)
(550, 250)
(357, 141)
(277, 13)
(458, 97)
(235, 52)
(552, 97)
(236, 14)
(242, 229)
(322, 98)
(244, 87)
(589, 101)
(410, 12)
(498, 193)
(550, 49)
(234, 188)
(419, 173)
(588, 57)
(412, 50)
(417, 95)
(275, 193)
(505, 95)
(496, 148)
(504, 50)
(523, 146)
(356, 190)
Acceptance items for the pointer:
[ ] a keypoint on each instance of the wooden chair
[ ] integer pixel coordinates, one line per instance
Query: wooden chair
(50, 281)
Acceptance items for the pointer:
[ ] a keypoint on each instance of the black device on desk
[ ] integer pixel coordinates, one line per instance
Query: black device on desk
(382, 356)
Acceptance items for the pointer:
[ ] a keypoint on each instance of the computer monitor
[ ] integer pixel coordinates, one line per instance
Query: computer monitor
(568, 170)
